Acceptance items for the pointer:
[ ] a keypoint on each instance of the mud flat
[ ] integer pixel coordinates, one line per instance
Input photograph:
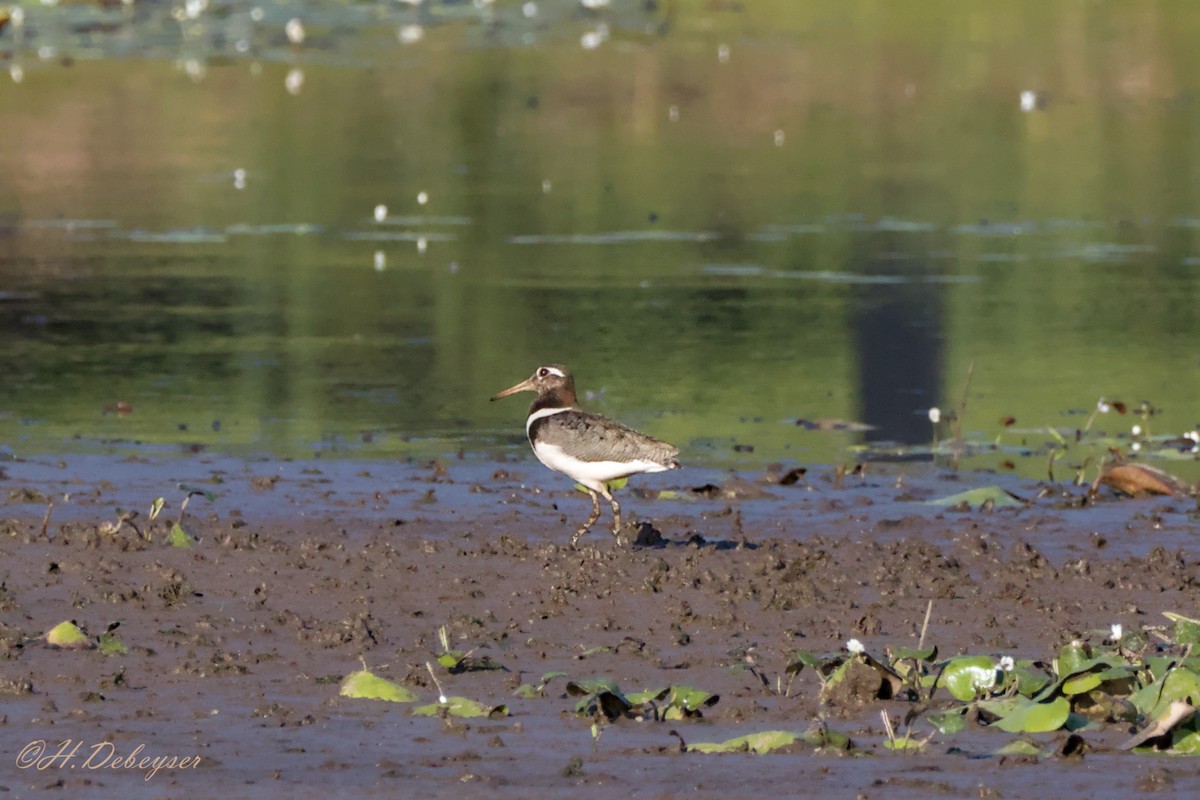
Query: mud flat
(302, 572)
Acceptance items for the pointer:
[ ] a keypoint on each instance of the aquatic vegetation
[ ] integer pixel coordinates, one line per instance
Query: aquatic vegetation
(460, 707)
(456, 661)
(602, 698)
(364, 684)
(68, 636)
(1084, 686)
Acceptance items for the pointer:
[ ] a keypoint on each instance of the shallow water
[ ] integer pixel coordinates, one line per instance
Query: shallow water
(725, 219)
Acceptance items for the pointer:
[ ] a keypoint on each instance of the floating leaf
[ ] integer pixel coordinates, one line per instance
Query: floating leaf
(1179, 685)
(759, 743)
(68, 636)
(529, 690)
(905, 745)
(365, 685)
(802, 659)
(1162, 723)
(918, 653)
(1187, 630)
(1135, 479)
(949, 722)
(823, 737)
(1019, 747)
(179, 537)
(110, 645)
(976, 498)
(599, 696)
(461, 707)
(965, 677)
(1022, 715)
(1029, 679)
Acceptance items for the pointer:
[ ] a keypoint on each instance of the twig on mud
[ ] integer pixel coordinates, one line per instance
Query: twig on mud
(437, 683)
(887, 727)
(46, 519)
(925, 625)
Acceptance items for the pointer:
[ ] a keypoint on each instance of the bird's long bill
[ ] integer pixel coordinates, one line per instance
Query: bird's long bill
(524, 386)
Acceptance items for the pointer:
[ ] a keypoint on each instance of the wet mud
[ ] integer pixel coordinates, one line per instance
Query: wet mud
(303, 572)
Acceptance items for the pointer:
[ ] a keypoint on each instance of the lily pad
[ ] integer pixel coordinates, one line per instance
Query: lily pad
(368, 686)
(599, 696)
(966, 676)
(1022, 715)
(1019, 747)
(1179, 685)
(529, 690)
(1187, 630)
(179, 537)
(456, 663)
(461, 707)
(110, 645)
(760, 743)
(949, 722)
(977, 498)
(68, 636)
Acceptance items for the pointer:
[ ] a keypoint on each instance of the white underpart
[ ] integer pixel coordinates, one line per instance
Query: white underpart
(592, 474)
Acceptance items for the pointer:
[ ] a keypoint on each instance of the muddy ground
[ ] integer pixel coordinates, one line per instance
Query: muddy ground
(304, 571)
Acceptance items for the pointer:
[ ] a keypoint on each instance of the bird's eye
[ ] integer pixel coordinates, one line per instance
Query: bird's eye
(543, 372)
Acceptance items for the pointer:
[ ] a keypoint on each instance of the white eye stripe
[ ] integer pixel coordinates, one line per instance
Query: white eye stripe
(553, 371)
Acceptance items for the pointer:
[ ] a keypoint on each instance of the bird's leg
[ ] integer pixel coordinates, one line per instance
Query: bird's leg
(591, 520)
(616, 507)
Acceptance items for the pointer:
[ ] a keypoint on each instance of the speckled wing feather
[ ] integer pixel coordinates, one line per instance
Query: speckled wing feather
(591, 437)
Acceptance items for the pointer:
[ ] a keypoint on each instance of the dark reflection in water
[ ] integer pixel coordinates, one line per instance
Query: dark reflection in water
(723, 230)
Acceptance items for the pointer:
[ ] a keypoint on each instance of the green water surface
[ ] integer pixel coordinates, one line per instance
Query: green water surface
(724, 217)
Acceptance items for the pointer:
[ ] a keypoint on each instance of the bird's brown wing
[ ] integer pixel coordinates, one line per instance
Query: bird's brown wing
(591, 437)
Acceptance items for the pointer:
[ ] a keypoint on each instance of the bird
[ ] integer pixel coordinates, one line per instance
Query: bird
(588, 447)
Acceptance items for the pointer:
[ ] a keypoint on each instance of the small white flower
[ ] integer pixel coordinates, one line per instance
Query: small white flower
(855, 646)
(935, 415)
(1007, 663)
(294, 30)
(1117, 632)
(1102, 406)
(1192, 436)
(1136, 446)
(422, 198)
(1136, 430)
(442, 699)
(380, 212)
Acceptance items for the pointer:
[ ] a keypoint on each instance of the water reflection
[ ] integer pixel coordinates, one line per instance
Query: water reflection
(722, 220)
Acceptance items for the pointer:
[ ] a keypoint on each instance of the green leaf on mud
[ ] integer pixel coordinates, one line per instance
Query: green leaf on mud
(368, 686)
(919, 653)
(905, 745)
(759, 743)
(1179, 685)
(68, 636)
(822, 736)
(461, 707)
(1029, 679)
(110, 645)
(949, 722)
(1187, 630)
(1022, 715)
(1018, 747)
(599, 696)
(529, 690)
(966, 676)
(802, 659)
(975, 498)
(179, 537)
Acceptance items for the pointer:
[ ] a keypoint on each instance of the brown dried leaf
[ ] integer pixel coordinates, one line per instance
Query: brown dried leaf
(1135, 479)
